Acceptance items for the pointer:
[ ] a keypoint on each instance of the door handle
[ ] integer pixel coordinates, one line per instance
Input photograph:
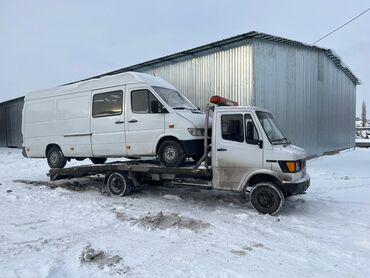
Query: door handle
(132, 121)
(120, 122)
(221, 150)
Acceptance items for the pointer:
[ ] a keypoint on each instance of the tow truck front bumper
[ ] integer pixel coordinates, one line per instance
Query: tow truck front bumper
(298, 187)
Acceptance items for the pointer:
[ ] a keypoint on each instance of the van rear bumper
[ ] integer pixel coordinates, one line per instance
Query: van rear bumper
(298, 187)
(193, 147)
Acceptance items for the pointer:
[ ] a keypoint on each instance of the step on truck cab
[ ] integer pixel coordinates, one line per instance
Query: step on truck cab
(125, 115)
(247, 154)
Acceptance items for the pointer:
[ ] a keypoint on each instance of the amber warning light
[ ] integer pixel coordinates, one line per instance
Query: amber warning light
(222, 101)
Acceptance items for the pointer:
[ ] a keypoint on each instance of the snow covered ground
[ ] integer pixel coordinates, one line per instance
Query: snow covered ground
(49, 229)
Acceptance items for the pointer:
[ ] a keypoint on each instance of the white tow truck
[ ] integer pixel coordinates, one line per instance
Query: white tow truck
(247, 154)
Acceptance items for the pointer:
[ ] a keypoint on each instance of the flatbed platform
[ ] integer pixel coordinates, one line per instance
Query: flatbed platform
(139, 167)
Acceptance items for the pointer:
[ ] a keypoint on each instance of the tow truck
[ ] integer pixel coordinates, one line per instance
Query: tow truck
(247, 154)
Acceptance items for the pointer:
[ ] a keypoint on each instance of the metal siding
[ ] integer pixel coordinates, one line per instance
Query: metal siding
(312, 99)
(225, 72)
(11, 123)
(2, 126)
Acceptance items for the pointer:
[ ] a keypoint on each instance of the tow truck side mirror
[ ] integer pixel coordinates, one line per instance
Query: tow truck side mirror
(250, 135)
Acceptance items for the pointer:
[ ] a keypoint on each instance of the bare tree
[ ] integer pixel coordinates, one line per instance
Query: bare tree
(363, 114)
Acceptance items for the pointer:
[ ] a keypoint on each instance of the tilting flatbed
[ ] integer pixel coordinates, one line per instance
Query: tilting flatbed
(136, 170)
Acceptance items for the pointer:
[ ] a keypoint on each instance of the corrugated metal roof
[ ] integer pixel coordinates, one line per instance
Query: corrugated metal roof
(250, 35)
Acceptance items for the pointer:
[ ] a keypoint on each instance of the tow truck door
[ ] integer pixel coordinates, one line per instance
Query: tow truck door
(236, 149)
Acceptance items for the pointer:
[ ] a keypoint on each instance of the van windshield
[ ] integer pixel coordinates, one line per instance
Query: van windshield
(174, 99)
(272, 131)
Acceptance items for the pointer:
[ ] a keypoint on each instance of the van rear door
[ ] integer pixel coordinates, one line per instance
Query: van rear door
(107, 122)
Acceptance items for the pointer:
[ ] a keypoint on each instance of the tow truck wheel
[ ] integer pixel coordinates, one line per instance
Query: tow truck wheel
(171, 153)
(266, 198)
(119, 184)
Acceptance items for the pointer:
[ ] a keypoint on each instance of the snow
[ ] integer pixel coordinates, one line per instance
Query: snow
(362, 140)
(55, 230)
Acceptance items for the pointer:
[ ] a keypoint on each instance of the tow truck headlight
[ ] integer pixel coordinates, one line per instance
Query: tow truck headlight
(290, 166)
(196, 131)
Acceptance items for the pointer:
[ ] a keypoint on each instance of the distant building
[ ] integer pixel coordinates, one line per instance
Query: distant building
(11, 123)
(309, 90)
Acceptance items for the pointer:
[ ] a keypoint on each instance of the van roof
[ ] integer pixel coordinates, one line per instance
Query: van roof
(104, 82)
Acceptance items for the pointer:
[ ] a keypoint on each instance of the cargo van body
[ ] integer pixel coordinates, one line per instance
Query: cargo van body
(125, 115)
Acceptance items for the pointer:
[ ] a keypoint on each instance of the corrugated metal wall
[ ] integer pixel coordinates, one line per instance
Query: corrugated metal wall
(11, 123)
(226, 72)
(313, 101)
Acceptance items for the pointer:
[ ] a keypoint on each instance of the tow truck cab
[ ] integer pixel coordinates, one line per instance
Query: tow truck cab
(250, 154)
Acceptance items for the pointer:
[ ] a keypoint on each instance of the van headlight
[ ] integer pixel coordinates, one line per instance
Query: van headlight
(291, 166)
(196, 131)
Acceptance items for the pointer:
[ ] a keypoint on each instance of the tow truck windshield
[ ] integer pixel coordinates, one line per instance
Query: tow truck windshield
(174, 99)
(272, 131)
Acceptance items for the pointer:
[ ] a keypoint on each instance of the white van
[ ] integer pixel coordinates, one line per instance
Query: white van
(125, 115)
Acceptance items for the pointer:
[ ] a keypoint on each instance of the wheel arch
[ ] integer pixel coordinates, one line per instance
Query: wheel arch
(164, 138)
(49, 146)
(261, 176)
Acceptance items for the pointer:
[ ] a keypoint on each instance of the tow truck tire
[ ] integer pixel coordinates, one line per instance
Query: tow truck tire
(119, 184)
(56, 158)
(266, 198)
(98, 160)
(171, 154)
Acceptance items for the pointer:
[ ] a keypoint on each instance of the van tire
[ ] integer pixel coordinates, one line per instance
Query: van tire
(266, 198)
(118, 184)
(98, 160)
(171, 153)
(56, 158)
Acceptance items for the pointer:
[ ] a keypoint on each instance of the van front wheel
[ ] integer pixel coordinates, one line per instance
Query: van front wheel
(171, 154)
(56, 158)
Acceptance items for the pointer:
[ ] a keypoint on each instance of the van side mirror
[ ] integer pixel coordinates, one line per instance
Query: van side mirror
(260, 144)
(164, 110)
(157, 107)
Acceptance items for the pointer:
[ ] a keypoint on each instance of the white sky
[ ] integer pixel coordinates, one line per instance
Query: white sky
(48, 43)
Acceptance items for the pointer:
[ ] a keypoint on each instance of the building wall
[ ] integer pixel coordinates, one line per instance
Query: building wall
(11, 123)
(222, 71)
(313, 101)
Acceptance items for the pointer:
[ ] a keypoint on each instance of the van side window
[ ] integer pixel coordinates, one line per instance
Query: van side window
(143, 102)
(251, 134)
(107, 104)
(232, 127)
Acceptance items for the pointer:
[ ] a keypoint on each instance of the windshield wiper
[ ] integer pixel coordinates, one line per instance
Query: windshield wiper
(284, 140)
(183, 108)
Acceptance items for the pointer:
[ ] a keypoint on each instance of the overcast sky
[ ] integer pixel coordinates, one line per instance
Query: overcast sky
(48, 43)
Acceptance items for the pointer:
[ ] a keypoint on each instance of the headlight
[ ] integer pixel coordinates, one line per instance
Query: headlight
(290, 166)
(196, 131)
